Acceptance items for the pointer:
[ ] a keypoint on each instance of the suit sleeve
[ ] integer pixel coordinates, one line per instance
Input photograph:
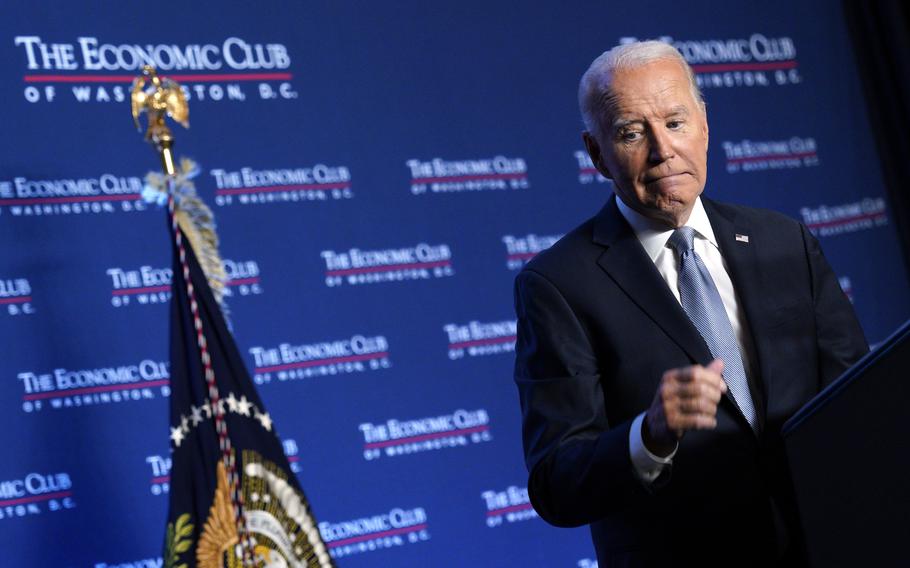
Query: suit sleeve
(841, 341)
(579, 464)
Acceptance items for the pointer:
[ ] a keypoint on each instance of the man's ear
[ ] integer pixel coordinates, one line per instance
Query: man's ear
(704, 110)
(593, 149)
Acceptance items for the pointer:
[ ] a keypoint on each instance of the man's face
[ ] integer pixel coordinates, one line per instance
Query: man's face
(654, 142)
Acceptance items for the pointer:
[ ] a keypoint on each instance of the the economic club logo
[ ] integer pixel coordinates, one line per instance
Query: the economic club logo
(161, 474)
(160, 467)
(478, 339)
(357, 266)
(63, 388)
(251, 186)
(16, 296)
(522, 248)
(106, 193)
(831, 220)
(140, 286)
(753, 61)
(397, 527)
(296, 361)
(509, 505)
(92, 70)
(587, 173)
(36, 493)
(149, 285)
(754, 156)
(439, 175)
(395, 437)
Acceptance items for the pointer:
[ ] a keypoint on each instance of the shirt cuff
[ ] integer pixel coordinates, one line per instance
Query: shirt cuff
(647, 465)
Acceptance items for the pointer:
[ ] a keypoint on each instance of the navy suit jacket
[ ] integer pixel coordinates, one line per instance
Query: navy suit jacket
(597, 328)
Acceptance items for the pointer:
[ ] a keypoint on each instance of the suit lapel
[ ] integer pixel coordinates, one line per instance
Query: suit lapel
(627, 263)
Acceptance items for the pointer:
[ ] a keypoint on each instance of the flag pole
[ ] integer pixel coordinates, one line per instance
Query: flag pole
(160, 98)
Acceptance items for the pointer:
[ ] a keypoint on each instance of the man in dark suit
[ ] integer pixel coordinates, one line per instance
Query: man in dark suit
(663, 343)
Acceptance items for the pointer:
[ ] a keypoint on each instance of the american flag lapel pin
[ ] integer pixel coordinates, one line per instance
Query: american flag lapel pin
(742, 238)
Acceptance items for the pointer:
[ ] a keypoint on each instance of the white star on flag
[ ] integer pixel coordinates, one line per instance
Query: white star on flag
(196, 415)
(243, 407)
(232, 402)
(265, 420)
(177, 436)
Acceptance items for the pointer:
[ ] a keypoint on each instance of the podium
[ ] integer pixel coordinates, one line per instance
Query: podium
(849, 456)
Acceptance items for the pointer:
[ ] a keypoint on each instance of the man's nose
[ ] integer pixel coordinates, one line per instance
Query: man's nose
(661, 148)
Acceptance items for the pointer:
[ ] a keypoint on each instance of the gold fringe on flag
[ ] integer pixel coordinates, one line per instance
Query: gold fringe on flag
(195, 219)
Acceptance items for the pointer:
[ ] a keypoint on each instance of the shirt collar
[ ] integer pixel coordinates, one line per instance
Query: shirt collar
(654, 236)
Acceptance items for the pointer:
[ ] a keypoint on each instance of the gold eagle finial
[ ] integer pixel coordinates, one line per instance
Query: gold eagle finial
(164, 97)
(159, 97)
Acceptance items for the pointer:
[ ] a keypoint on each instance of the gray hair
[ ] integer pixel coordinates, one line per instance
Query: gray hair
(594, 88)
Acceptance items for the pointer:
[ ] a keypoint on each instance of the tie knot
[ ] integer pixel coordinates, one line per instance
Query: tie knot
(681, 240)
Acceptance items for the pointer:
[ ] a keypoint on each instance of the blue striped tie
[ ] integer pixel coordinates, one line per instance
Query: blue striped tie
(701, 301)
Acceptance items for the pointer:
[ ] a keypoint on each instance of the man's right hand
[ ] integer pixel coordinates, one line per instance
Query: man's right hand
(685, 400)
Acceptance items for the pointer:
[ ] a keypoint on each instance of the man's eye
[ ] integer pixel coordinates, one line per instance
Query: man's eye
(631, 136)
(675, 124)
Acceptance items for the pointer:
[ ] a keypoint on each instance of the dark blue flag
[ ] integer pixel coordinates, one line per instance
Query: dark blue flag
(233, 498)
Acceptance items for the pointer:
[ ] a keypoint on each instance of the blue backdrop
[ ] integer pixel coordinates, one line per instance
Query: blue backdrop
(379, 172)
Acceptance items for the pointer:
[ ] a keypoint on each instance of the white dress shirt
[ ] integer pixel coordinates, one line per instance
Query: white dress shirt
(653, 237)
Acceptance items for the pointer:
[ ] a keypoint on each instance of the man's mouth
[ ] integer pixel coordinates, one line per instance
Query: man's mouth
(669, 177)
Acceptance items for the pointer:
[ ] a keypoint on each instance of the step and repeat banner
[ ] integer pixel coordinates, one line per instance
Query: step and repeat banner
(379, 173)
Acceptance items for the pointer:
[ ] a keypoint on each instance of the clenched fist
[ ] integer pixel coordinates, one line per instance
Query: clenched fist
(685, 400)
